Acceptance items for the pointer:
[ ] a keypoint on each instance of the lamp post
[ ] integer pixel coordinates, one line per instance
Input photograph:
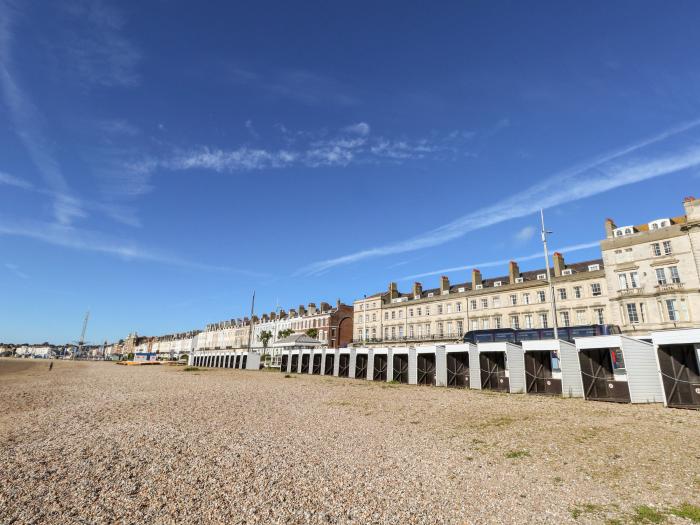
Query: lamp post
(549, 277)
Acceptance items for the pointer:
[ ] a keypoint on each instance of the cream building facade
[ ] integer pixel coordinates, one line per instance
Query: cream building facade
(653, 272)
(517, 300)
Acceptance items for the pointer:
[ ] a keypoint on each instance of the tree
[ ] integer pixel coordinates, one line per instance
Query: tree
(265, 337)
(312, 332)
(284, 333)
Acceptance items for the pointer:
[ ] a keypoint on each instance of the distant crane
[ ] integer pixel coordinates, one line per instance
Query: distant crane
(81, 341)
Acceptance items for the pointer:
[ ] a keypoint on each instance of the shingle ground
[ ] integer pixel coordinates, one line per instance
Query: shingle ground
(101, 443)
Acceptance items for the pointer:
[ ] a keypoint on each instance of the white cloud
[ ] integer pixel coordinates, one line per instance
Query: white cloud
(591, 178)
(525, 234)
(93, 241)
(15, 270)
(361, 128)
(11, 180)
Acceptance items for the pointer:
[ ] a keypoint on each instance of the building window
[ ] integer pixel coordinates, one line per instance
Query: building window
(359, 334)
(671, 309)
(632, 313)
(641, 312)
(366, 334)
(496, 301)
(427, 329)
(460, 328)
(595, 290)
(393, 332)
(564, 316)
(419, 311)
(401, 331)
(400, 314)
(526, 298)
(485, 324)
(439, 309)
(449, 328)
(580, 317)
(634, 280)
(475, 324)
(449, 308)
(562, 294)
(667, 247)
(386, 333)
(623, 281)
(374, 317)
(514, 322)
(440, 330)
(374, 333)
(410, 312)
(484, 303)
(675, 278)
(543, 320)
(660, 276)
(528, 321)
(473, 303)
(656, 249)
(386, 316)
(497, 321)
(600, 315)
(393, 314)
(513, 299)
(577, 292)
(458, 307)
(427, 310)
(541, 297)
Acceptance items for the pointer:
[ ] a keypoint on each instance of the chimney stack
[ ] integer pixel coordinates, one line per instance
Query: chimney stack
(302, 310)
(283, 314)
(692, 209)
(393, 291)
(444, 284)
(476, 278)
(312, 308)
(609, 227)
(325, 307)
(292, 312)
(417, 289)
(513, 272)
(338, 303)
(273, 316)
(559, 265)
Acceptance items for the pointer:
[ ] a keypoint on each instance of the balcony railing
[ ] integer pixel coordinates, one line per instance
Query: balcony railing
(669, 287)
(627, 292)
(405, 338)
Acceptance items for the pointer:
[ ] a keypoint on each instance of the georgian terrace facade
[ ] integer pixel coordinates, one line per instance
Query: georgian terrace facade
(518, 300)
(653, 272)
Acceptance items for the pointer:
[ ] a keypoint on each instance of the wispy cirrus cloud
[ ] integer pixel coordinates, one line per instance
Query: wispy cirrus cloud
(598, 175)
(16, 270)
(525, 234)
(93, 241)
(502, 262)
(299, 85)
(352, 144)
(95, 48)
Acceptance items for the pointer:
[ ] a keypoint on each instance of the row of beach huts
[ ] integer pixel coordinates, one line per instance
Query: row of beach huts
(613, 368)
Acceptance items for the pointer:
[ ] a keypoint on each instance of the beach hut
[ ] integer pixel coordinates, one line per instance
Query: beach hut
(399, 365)
(344, 363)
(378, 362)
(284, 363)
(452, 365)
(421, 365)
(297, 346)
(305, 362)
(678, 360)
(618, 368)
(501, 367)
(544, 369)
(328, 362)
(316, 362)
(361, 363)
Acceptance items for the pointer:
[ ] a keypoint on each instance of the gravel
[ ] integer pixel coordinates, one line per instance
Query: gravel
(99, 443)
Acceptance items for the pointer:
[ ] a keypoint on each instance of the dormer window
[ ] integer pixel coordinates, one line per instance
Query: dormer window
(593, 267)
(519, 280)
(460, 289)
(478, 286)
(497, 283)
(541, 276)
(568, 271)
(431, 294)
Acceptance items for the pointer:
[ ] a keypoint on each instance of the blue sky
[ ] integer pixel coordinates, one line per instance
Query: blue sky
(160, 160)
